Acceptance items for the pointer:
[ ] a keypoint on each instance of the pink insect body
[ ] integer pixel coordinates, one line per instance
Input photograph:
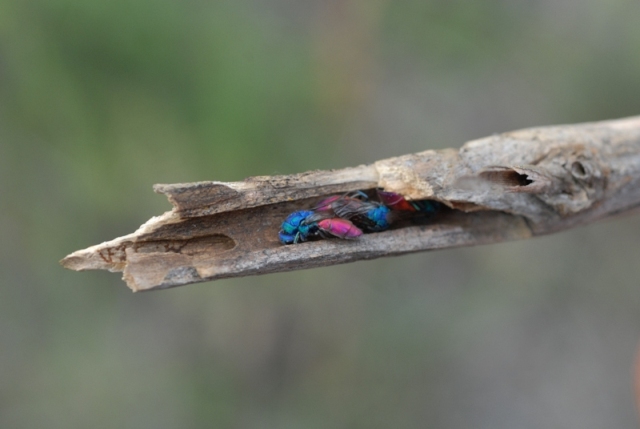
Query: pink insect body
(340, 228)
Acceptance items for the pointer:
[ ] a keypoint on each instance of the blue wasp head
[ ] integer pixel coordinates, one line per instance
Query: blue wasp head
(295, 221)
(294, 228)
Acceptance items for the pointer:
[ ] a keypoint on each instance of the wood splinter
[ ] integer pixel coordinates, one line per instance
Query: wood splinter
(505, 187)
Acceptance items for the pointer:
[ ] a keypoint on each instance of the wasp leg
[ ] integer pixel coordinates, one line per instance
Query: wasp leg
(356, 194)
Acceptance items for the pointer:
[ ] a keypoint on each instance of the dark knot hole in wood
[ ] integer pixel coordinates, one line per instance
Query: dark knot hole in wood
(507, 178)
(578, 170)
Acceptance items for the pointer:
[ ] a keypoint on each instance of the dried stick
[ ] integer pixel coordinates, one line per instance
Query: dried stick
(505, 187)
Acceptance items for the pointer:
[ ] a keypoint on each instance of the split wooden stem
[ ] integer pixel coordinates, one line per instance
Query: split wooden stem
(504, 187)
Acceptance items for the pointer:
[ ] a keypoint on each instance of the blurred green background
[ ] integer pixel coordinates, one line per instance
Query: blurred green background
(101, 99)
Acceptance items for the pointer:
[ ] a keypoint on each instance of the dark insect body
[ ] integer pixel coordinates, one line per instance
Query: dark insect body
(398, 202)
(302, 225)
(328, 204)
(367, 215)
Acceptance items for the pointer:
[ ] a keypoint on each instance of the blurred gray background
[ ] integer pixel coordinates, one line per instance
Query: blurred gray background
(101, 99)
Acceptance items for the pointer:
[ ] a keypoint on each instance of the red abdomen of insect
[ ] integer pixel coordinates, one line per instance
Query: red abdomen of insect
(395, 201)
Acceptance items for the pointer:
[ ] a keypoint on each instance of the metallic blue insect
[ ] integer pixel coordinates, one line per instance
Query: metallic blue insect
(302, 225)
(348, 216)
(295, 227)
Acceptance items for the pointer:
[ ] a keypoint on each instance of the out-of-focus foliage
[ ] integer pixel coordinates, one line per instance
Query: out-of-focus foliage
(101, 99)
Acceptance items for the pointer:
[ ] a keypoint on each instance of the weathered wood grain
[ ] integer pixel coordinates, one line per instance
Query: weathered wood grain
(504, 187)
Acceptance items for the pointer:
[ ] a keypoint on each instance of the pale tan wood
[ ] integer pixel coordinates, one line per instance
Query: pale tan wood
(504, 187)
